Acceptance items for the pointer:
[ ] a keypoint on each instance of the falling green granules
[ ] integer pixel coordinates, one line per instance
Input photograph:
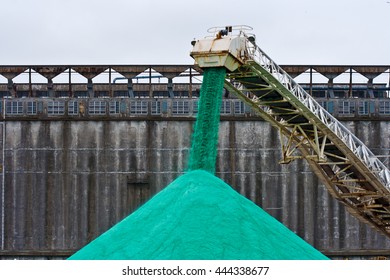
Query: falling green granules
(203, 152)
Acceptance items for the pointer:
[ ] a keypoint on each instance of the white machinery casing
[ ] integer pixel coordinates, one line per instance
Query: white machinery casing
(228, 51)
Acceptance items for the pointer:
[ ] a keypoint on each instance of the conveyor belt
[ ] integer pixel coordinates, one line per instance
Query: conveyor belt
(351, 172)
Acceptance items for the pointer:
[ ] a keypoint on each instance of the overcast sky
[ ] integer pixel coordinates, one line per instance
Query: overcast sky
(159, 32)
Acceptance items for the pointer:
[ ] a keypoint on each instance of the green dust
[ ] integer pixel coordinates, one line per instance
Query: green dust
(203, 152)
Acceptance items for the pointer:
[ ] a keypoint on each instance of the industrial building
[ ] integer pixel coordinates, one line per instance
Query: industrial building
(85, 145)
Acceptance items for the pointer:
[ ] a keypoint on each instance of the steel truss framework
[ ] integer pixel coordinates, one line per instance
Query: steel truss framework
(350, 171)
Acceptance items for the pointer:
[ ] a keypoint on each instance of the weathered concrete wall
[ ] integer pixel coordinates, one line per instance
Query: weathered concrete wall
(66, 182)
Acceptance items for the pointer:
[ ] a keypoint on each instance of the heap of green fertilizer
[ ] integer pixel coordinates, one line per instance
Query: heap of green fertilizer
(198, 216)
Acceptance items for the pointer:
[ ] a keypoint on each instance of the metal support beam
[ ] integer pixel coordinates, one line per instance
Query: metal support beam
(343, 162)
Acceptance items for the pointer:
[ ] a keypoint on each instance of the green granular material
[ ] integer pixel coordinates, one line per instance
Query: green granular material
(203, 152)
(198, 217)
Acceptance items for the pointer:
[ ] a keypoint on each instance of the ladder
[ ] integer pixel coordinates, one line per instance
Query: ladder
(350, 171)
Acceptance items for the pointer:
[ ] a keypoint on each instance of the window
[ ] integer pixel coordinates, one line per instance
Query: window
(160, 94)
(239, 107)
(62, 93)
(346, 107)
(363, 108)
(42, 93)
(156, 107)
(4, 94)
(181, 94)
(102, 94)
(97, 107)
(81, 94)
(226, 107)
(14, 107)
(195, 104)
(56, 108)
(141, 94)
(114, 107)
(323, 104)
(73, 108)
(121, 93)
(31, 107)
(139, 107)
(319, 93)
(22, 93)
(384, 107)
(180, 107)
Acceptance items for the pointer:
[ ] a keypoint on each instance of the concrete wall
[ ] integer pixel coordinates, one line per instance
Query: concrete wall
(66, 182)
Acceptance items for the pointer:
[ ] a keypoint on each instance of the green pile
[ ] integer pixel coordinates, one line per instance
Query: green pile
(198, 216)
(203, 152)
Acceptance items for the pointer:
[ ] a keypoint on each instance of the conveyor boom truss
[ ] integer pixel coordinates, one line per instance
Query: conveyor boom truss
(351, 172)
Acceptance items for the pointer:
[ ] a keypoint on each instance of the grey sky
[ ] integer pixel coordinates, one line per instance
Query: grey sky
(159, 32)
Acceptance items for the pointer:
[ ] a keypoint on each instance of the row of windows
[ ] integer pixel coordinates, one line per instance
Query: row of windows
(355, 92)
(177, 107)
(98, 94)
(318, 91)
(99, 107)
(58, 108)
(362, 107)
